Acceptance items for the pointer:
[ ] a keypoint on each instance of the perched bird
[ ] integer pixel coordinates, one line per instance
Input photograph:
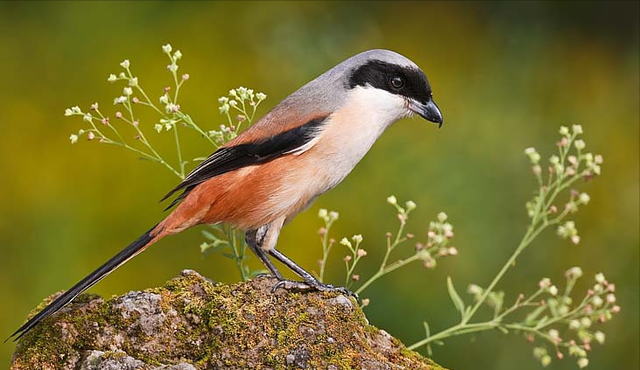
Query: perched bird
(302, 148)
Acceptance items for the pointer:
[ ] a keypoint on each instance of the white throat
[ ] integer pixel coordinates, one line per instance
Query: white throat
(351, 130)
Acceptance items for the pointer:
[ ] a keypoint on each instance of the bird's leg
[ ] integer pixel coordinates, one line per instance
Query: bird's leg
(254, 239)
(309, 283)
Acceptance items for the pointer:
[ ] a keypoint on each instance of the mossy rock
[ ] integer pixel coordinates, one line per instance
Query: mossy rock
(193, 323)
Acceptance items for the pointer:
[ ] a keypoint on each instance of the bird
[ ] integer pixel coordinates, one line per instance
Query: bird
(305, 146)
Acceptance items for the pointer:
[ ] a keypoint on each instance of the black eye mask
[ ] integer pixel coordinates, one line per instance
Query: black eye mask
(380, 74)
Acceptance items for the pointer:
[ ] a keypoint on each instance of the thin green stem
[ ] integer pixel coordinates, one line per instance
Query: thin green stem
(177, 140)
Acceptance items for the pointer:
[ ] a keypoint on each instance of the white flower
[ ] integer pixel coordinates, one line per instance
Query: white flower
(177, 55)
(564, 130)
(474, 289)
(600, 278)
(167, 48)
(583, 362)
(544, 283)
(261, 96)
(599, 336)
(574, 325)
(322, 213)
(554, 159)
(158, 127)
(442, 217)
(410, 205)
(73, 138)
(553, 290)
(345, 242)
(333, 215)
(533, 155)
(171, 108)
(392, 200)
(598, 159)
(597, 301)
(172, 67)
(119, 100)
(554, 334)
(611, 298)
(233, 103)
(76, 110)
(584, 198)
(357, 238)
(164, 99)
(574, 272)
(585, 322)
(579, 144)
(125, 64)
(87, 118)
(112, 78)
(127, 91)
(223, 100)
(133, 81)
(577, 129)
(68, 112)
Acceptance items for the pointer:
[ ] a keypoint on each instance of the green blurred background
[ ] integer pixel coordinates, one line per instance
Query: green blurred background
(506, 76)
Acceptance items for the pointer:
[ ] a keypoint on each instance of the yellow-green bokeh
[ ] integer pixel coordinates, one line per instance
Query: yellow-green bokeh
(506, 76)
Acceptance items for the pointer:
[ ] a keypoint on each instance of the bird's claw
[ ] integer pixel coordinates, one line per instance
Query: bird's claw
(306, 286)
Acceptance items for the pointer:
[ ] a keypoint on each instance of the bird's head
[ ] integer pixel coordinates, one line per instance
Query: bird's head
(396, 86)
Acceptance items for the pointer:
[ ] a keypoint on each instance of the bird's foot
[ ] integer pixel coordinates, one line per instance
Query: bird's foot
(310, 285)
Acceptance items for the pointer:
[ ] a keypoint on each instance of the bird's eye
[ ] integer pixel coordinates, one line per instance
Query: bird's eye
(397, 82)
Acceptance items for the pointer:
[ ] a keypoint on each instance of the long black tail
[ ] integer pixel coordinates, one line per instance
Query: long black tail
(86, 283)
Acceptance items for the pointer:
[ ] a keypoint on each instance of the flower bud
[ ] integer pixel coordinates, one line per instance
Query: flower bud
(583, 362)
(322, 213)
(544, 283)
(442, 217)
(577, 129)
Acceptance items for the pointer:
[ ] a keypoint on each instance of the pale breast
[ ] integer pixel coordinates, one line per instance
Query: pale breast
(347, 136)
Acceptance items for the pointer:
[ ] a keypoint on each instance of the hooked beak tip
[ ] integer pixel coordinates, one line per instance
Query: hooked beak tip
(429, 111)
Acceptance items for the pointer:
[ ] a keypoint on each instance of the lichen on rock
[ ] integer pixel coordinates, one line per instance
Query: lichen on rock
(192, 323)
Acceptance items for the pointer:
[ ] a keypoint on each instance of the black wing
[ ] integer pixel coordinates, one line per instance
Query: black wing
(232, 158)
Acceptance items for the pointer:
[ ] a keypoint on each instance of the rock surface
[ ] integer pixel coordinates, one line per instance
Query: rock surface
(192, 323)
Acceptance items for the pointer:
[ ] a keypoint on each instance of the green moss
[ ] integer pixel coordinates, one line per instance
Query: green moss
(215, 325)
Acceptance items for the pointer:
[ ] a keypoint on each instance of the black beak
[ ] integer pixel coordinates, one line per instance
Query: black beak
(428, 111)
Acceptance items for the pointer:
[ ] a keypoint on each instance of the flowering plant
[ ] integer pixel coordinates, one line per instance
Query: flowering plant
(545, 313)
(239, 107)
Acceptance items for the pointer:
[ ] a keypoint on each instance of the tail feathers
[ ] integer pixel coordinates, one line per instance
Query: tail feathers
(84, 284)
